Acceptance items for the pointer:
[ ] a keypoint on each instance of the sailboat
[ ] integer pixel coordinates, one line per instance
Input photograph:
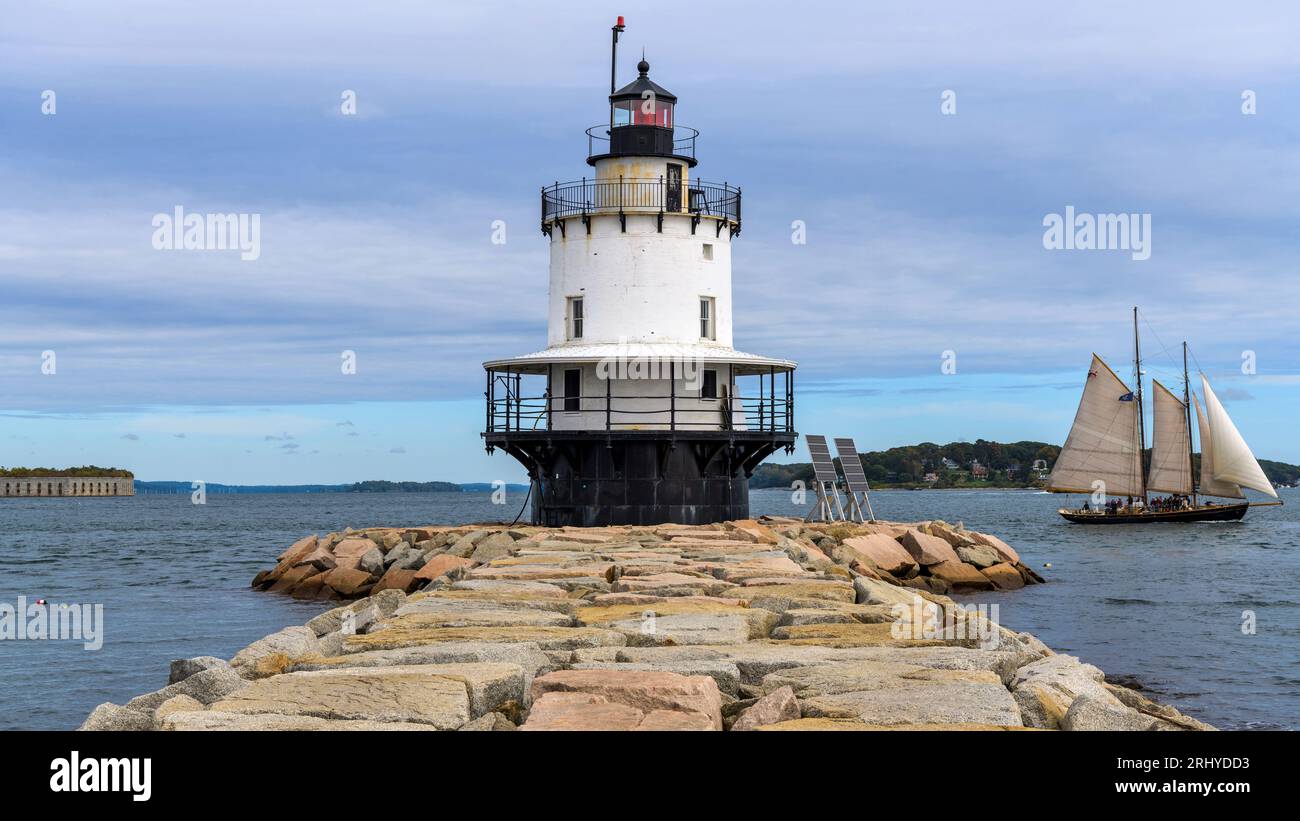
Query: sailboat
(1103, 453)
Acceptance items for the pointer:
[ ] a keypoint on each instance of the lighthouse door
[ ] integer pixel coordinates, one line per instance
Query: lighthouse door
(673, 196)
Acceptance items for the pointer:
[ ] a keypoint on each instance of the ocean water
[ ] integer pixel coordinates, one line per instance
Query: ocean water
(1159, 606)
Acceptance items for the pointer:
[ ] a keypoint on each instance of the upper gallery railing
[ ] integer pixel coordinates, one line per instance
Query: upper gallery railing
(678, 141)
(627, 195)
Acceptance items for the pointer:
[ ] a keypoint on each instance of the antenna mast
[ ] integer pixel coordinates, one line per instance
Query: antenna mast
(1142, 431)
(1187, 408)
(616, 30)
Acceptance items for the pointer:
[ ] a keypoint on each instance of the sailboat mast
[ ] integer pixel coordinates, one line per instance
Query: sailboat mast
(1142, 432)
(1187, 409)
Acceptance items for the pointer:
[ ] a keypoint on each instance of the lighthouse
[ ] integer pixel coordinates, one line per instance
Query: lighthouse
(639, 410)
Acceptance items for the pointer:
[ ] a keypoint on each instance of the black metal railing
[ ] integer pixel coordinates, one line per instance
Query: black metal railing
(697, 198)
(769, 410)
(509, 414)
(682, 140)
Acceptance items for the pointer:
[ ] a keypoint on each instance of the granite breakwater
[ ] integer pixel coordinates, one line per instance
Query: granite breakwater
(770, 624)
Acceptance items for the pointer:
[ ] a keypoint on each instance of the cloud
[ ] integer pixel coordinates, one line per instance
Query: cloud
(226, 334)
(1106, 36)
(131, 437)
(924, 232)
(397, 450)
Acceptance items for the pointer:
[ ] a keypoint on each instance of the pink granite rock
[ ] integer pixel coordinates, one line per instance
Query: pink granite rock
(884, 552)
(441, 565)
(927, 549)
(646, 690)
(1000, 547)
(778, 705)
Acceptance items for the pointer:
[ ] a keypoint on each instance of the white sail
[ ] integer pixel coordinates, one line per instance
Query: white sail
(1103, 444)
(1233, 461)
(1209, 485)
(1171, 459)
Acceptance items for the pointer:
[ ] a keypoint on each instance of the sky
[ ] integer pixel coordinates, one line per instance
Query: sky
(924, 229)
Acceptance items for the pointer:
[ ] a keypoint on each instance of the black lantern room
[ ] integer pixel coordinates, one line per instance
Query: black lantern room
(641, 121)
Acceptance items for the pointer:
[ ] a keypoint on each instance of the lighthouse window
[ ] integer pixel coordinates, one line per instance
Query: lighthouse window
(708, 250)
(623, 112)
(709, 388)
(572, 389)
(575, 317)
(644, 111)
(706, 318)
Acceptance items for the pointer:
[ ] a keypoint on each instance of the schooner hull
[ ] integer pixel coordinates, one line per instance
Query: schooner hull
(1212, 513)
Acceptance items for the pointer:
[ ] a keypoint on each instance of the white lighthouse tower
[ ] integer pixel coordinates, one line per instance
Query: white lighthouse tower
(639, 410)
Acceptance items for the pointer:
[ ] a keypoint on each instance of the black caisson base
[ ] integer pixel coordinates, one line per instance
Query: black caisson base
(590, 479)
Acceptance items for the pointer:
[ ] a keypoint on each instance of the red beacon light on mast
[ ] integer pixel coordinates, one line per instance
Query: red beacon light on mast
(616, 30)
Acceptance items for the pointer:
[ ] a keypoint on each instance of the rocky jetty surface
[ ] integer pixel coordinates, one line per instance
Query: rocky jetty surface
(770, 624)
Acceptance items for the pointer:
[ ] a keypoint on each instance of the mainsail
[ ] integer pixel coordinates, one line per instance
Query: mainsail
(1233, 461)
(1103, 444)
(1171, 458)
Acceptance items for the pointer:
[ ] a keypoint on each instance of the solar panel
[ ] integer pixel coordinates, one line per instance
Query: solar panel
(823, 466)
(856, 479)
(851, 464)
(824, 475)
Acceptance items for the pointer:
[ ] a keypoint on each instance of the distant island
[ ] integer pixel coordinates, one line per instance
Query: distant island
(369, 486)
(379, 486)
(981, 464)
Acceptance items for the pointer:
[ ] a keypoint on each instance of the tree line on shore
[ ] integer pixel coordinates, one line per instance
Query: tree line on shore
(981, 463)
(1009, 465)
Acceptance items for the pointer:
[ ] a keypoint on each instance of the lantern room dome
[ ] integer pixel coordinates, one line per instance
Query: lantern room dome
(636, 90)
